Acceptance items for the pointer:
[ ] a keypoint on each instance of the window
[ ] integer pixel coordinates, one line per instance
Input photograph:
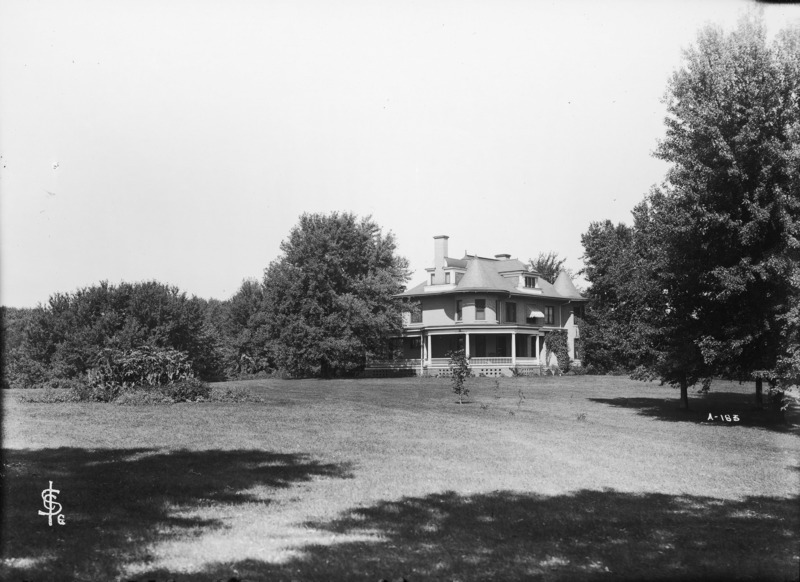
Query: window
(458, 310)
(579, 311)
(416, 343)
(530, 282)
(458, 277)
(511, 312)
(416, 316)
(549, 317)
(480, 309)
(497, 310)
(432, 275)
(447, 278)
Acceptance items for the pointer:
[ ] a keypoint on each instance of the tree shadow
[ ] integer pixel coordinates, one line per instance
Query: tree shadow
(717, 408)
(118, 502)
(588, 535)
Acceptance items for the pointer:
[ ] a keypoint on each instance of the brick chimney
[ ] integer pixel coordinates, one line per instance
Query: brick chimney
(439, 253)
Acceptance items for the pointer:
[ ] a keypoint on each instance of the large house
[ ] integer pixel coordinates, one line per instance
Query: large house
(497, 309)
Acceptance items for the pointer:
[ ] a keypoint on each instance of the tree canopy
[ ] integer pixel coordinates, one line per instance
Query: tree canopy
(61, 340)
(329, 300)
(548, 265)
(707, 278)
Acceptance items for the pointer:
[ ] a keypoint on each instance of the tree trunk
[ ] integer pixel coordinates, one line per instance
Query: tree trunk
(759, 393)
(684, 394)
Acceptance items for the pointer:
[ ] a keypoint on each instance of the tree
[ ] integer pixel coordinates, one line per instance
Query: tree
(62, 339)
(329, 299)
(240, 325)
(728, 217)
(459, 372)
(709, 268)
(548, 265)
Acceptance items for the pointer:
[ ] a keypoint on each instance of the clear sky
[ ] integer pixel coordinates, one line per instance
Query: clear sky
(181, 140)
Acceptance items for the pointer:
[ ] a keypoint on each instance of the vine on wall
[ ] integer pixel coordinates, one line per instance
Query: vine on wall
(556, 343)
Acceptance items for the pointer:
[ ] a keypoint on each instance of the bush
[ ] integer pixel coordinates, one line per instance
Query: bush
(50, 396)
(143, 366)
(142, 398)
(187, 390)
(233, 394)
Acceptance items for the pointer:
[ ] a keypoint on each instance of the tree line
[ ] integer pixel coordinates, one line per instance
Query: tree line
(705, 281)
(324, 308)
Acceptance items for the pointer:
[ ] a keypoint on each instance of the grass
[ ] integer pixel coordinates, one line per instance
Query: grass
(567, 478)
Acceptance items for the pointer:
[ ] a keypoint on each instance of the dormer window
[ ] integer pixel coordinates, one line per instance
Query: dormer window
(447, 278)
(432, 276)
(530, 282)
(458, 277)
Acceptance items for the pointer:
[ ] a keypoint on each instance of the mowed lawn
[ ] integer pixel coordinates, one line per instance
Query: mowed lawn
(567, 478)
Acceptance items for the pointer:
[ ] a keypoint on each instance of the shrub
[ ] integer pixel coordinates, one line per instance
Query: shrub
(233, 394)
(187, 390)
(50, 396)
(143, 366)
(142, 398)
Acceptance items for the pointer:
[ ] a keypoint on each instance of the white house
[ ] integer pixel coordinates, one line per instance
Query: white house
(496, 309)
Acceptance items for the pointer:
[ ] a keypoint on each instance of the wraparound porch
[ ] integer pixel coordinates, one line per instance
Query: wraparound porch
(485, 348)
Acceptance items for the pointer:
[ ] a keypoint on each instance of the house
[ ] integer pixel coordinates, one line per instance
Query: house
(497, 309)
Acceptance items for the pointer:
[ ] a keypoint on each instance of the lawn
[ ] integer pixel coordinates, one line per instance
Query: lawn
(567, 478)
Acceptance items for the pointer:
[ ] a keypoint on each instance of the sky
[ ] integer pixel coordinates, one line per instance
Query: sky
(180, 141)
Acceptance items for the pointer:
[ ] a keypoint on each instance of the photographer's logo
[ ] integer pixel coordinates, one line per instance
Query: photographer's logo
(51, 505)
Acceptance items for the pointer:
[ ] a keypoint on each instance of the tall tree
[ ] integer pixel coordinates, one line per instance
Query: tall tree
(614, 334)
(329, 298)
(548, 265)
(728, 217)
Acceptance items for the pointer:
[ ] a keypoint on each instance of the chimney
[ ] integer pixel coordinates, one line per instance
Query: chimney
(439, 251)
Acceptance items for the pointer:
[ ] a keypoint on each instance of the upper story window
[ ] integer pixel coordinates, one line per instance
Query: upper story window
(458, 310)
(530, 282)
(549, 316)
(511, 312)
(447, 278)
(432, 276)
(416, 316)
(458, 277)
(579, 311)
(480, 309)
(497, 310)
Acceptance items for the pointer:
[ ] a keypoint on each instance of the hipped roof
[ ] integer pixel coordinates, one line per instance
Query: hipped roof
(484, 274)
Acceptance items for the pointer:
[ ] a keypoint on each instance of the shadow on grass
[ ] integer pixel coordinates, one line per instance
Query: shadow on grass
(116, 502)
(589, 535)
(717, 408)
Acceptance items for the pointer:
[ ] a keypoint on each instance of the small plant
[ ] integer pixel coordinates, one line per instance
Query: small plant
(141, 398)
(458, 367)
(581, 417)
(497, 388)
(232, 394)
(187, 390)
(521, 397)
(484, 407)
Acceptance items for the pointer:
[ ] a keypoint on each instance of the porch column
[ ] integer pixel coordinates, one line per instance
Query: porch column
(537, 347)
(466, 343)
(430, 349)
(421, 349)
(513, 348)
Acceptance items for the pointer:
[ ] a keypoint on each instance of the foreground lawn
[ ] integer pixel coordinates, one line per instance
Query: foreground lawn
(571, 478)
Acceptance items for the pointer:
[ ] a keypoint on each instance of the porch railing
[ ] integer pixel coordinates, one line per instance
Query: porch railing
(490, 361)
